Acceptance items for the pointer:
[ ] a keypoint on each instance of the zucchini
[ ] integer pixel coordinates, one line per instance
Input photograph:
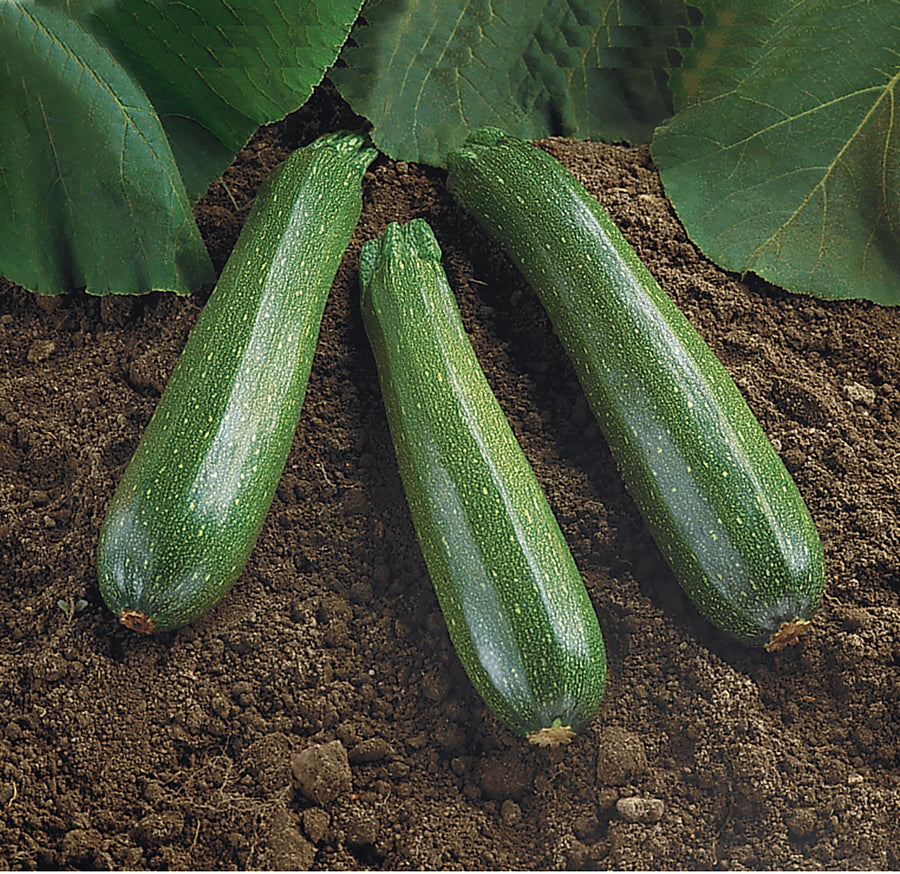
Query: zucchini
(715, 495)
(515, 605)
(194, 496)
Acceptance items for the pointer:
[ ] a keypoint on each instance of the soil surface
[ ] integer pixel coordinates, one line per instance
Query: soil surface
(318, 717)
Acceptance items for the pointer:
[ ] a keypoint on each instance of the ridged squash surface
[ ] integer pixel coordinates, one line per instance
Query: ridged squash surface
(717, 498)
(516, 608)
(193, 499)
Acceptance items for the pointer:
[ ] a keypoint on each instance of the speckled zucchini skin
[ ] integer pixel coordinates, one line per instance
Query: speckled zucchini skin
(719, 502)
(194, 497)
(515, 605)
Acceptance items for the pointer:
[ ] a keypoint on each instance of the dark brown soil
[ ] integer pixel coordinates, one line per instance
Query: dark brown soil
(318, 716)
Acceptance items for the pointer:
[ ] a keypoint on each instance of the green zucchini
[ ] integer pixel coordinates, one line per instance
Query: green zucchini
(516, 608)
(194, 497)
(715, 495)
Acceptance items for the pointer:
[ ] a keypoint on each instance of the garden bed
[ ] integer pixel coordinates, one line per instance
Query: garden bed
(190, 749)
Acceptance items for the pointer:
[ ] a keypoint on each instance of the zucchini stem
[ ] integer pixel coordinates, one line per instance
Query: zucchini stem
(788, 634)
(138, 621)
(554, 735)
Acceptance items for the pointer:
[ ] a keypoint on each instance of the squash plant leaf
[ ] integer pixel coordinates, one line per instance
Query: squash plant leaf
(90, 194)
(426, 73)
(217, 69)
(785, 158)
(115, 115)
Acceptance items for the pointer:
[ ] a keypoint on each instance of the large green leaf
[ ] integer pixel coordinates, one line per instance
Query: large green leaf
(785, 159)
(115, 115)
(89, 191)
(425, 73)
(217, 69)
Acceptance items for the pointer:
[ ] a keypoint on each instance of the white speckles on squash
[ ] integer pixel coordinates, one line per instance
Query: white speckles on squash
(217, 443)
(717, 465)
(516, 609)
